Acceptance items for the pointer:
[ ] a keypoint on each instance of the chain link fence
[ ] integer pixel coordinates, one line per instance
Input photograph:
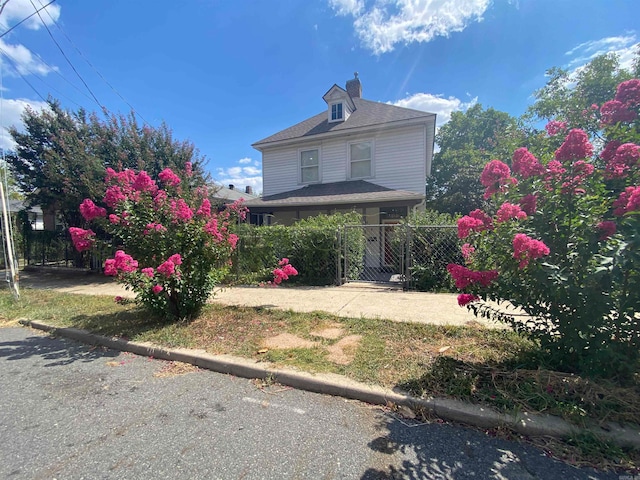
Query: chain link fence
(416, 256)
(48, 248)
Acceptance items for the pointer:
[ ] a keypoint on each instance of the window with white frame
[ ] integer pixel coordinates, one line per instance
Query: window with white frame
(310, 166)
(336, 112)
(360, 160)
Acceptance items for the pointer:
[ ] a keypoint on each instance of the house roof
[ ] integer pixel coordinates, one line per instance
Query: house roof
(231, 194)
(366, 114)
(338, 193)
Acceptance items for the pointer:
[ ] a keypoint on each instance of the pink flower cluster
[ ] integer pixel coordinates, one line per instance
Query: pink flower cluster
(120, 263)
(144, 183)
(284, 271)
(90, 210)
(529, 203)
(188, 169)
(606, 228)
(476, 221)
(619, 159)
(526, 249)
(509, 211)
(628, 201)
(149, 272)
(205, 209)
(615, 111)
(575, 147)
(466, 298)
(554, 127)
(169, 178)
(496, 176)
(154, 227)
(467, 252)
(629, 93)
(168, 267)
(82, 239)
(580, 170)
(465, 277)
(525, 163)
(211, 227)
(180, 210)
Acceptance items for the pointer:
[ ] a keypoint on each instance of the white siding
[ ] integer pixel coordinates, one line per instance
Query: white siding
(399, 161)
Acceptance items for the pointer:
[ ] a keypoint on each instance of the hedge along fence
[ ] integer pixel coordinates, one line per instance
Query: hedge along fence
(312, 245)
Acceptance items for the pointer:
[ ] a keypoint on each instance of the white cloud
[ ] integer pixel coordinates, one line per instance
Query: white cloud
(438, 104)
(385, 23)
(624, 46)
(22, 61)
(17, 10)
(242, 176)
(11, 114)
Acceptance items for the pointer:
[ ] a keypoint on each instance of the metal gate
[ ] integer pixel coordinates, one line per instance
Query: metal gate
(415, 256)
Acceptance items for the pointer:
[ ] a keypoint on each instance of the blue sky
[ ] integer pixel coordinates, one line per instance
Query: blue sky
(225, 74)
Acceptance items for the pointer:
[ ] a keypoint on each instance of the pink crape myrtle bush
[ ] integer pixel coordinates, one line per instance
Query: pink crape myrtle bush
(173, 247)
(561, 242)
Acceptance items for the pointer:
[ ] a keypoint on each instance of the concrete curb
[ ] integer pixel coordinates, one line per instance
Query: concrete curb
(337, 385)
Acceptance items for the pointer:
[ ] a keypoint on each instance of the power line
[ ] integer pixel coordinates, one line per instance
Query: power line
(27, 18)
(16, 67)
(92, 67)
(65, 56)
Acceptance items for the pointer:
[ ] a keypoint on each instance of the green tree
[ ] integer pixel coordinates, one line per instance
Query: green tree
(61, 156)
(467, 142)
(569, 97)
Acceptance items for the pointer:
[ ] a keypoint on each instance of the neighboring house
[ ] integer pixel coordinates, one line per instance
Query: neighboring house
(359, 155)
(230, 194)
(34, 214)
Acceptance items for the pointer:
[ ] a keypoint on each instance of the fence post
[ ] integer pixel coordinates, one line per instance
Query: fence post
(346, 257)
(407, 257)
(338, 260)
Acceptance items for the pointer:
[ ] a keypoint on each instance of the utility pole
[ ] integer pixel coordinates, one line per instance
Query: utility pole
(8, 240)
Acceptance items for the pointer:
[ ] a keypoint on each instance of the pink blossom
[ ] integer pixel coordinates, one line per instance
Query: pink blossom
(160, 198)
(555, 126)
(90, 210)
(169, 178)
(149, 272)
(465, 277)
(154, 227)
(555, 170)
(118, 299)
(114, 219)
(509, 211)
(575, 147)
(211, 228)
(284, 261)
(82, 239)
(626, 156)
(144, 183)
(176, 259)
(607, 228)
(205, 209)
(526, 249)
(525, 164)
(180, 210)
(496, 176)
(188, 168)
(113, 196)
(167, 268)
(467, 252)
(615, 111)
(289, 270)
(628, 201)
(157, 289)
(609, 150)
(121, 262)
(529, 204)
(466, 298)
(476, 221)
(629, 93)
(233, 240)
(239, 208)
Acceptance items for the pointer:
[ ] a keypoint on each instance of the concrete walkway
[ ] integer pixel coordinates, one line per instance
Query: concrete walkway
(350, 300)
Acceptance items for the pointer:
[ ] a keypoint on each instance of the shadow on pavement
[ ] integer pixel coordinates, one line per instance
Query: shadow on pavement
(48, 348)
(412, 451)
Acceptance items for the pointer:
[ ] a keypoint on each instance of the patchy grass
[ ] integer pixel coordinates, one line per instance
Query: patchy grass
(494, 367)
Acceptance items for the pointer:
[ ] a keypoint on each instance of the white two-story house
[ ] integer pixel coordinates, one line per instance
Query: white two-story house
(359, 155)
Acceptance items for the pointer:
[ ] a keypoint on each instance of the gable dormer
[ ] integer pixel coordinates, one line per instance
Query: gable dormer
(339, 103)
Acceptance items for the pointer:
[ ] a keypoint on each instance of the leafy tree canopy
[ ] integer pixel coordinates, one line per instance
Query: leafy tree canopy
(61, 156)
(467, 142)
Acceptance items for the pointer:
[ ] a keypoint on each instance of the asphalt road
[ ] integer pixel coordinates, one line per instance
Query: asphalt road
(68, 411)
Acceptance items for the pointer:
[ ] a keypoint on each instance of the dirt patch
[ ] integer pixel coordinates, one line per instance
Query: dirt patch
(332, 333)
(344, 351)
(287, 340)
(171, 369)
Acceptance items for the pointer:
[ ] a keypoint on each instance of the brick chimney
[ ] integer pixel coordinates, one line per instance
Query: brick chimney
(248, 190)
(231, 186)
(354, 87)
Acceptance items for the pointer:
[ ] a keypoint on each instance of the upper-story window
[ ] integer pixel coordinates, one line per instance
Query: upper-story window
(360, 160)
(310, 166)
(336, 112)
